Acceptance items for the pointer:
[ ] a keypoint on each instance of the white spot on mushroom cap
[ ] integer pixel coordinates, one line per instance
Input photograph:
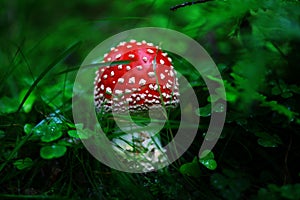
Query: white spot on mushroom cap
(139, 67)
(131, 55)
(127, 91)
(151, 87)
(128, 67)
(108, 90)
(118, 56)
(131, 80)
(162, 61)
(162, 76)
(151, 74)
(122, 43)
(121, 80)
(150, 51)
(145, 59)
(168, 86)
(105, 76)
(118, 92)
(112, 73)
(142, 82)
(119, 66)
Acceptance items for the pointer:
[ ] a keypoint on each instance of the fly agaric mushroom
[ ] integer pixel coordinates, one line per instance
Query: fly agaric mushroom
(148, 81)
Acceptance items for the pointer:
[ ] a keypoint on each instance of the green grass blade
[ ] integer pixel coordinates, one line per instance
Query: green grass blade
(48, 68)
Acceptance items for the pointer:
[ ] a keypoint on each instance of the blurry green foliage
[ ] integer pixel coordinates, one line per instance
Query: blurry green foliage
(23, 163)
(267, 140)
(231, 185)
(274, 192)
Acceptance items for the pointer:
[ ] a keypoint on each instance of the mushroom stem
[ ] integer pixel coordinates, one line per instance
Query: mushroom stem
(142, 146)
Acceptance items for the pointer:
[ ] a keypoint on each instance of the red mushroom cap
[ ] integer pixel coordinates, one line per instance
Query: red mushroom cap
(141, 84)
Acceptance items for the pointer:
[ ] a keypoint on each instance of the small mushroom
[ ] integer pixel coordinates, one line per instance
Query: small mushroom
(148, 81)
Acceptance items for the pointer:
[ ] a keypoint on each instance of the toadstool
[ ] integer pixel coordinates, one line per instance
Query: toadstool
(147, 82)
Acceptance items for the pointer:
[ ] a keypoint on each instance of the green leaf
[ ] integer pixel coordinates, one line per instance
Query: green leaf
(219, 107)
(191, 169)
(51, 128)
(2, 134)
(279, 108)
(27, 105)
(53, 151)
(276, 90)
(28, 128)
(83, 133)
(207, 154)
(207, 159)
(204, 111)
(73, 133)
(23, 163)
(287, 95)
(67, 142)
(8, 105)
(213, 98)
(231, 183)
(52, 133)
(295, 89)
(209, 163)
(291, 191)
(267, 140)
(219, 181)
(284, 192)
